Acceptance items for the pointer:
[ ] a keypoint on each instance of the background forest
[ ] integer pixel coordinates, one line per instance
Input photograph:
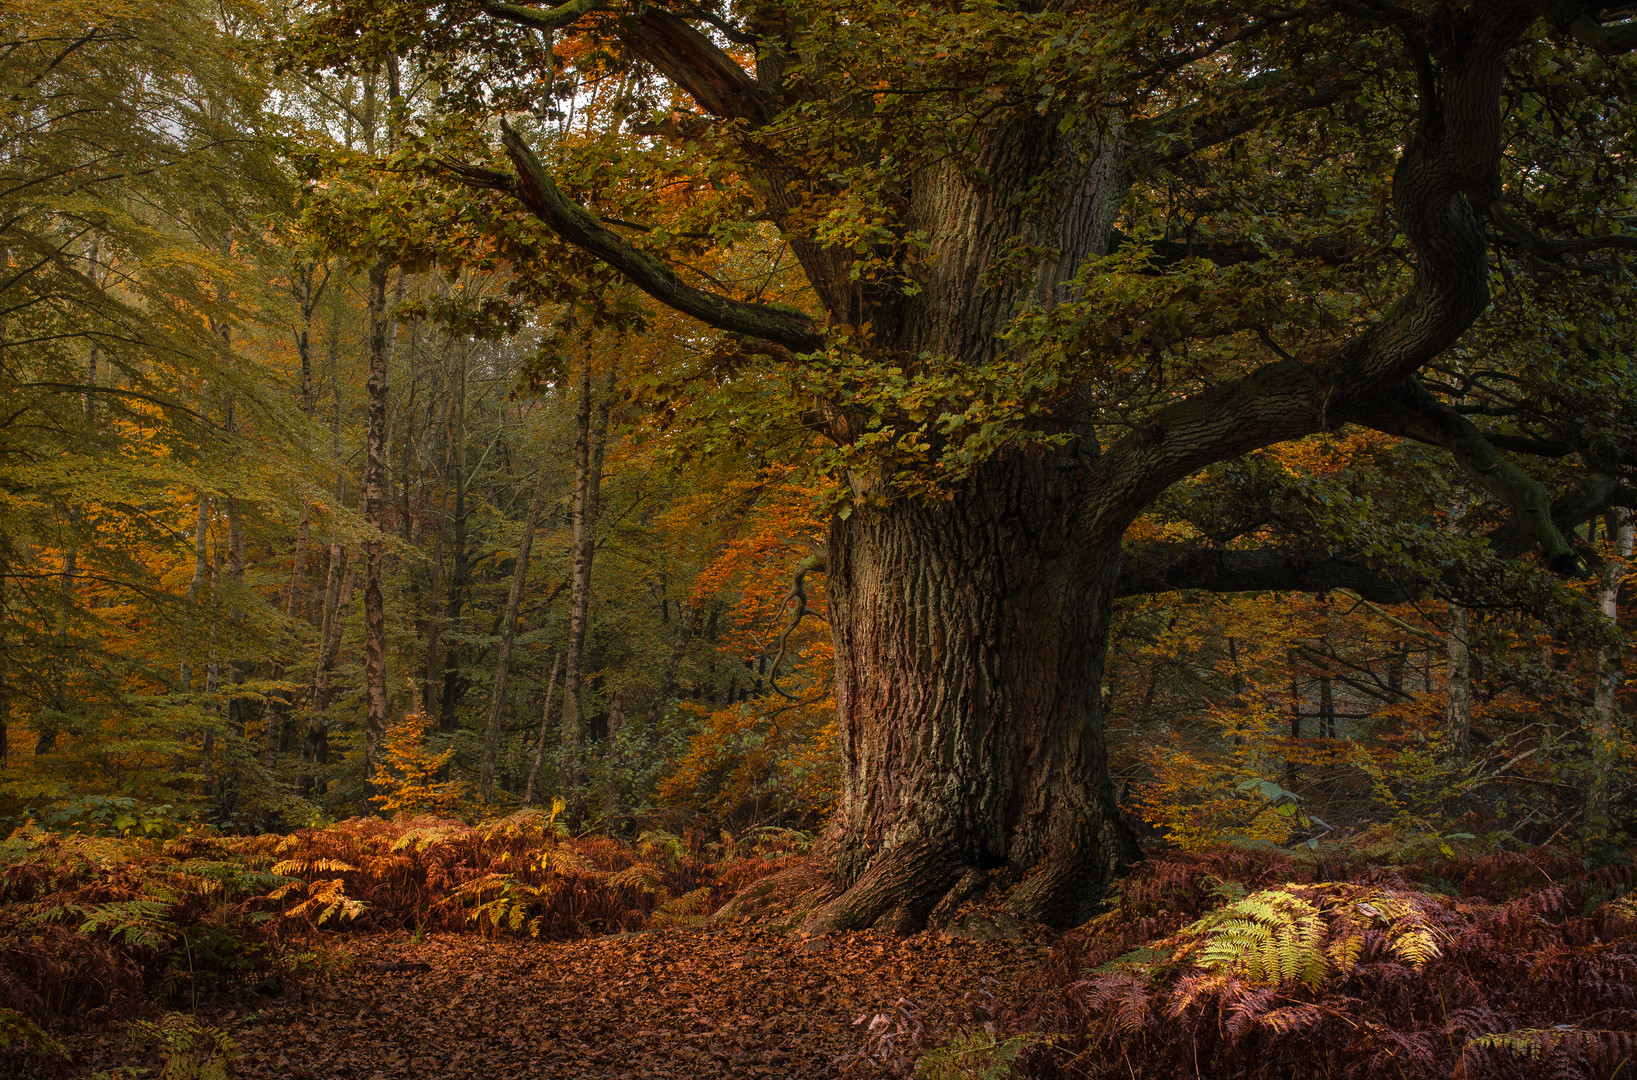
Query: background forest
(587, 550)
(327, 493)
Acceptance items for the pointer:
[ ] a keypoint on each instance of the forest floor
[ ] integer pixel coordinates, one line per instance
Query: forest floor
(693, 1003)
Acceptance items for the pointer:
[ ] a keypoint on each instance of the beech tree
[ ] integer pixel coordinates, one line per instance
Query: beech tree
(1055, 258)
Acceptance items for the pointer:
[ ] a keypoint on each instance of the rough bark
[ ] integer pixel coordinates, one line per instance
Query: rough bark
(375, 481)
(970, 629)
(5, 657)
(460, 568)
(1458, 687)
(970, 638)
(382, 331)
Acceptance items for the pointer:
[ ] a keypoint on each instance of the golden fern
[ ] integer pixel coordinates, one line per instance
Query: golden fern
(1273, 936)
(638, 876)
(1307, 933)
(501, 902)
(683, 909)
(326, 899)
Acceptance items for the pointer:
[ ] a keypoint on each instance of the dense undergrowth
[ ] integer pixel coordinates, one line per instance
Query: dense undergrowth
(1244, 963)
(95, 928)
(1258, 965)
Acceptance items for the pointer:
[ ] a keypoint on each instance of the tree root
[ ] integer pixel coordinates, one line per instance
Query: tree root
(896, 894)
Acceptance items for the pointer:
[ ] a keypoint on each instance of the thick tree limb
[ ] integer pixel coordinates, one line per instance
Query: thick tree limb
(534, 187)
(1548, 247)
(1173, 136)
(1158, 568)
(689, 59)
(1410, 411)
(1331, 250)
(817, 562)
(681, 53)
(1606, 39)
(1445, 176)
(1168, 568)
(549, 18)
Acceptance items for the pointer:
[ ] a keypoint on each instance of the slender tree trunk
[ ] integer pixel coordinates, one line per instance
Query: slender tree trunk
(1458, 688)
(545, 732)
(201, 568)
(611, 762)
(5, 655)
(1327, 706)
(508, 632)
(318, 736)
(591, 429)
(282, 702)
(1609, 676)
(382, 331)
(375, 481)
(236, 707)
(970, 636)
(673, 663)
(460, 564)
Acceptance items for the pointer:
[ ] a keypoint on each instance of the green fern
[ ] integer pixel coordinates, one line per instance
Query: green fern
(190, 1050)
(145, 923)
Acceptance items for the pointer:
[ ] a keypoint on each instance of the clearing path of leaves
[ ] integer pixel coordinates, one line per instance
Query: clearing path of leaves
(684, 1003)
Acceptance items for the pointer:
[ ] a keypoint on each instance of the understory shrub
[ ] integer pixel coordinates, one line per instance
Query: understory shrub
(1259, 966)
(94, 926)
(1255, 964)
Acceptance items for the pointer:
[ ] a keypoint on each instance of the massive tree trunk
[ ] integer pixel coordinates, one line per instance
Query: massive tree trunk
(970, 638)
(971, 624)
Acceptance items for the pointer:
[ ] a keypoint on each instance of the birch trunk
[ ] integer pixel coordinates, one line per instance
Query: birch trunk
(1609, 675)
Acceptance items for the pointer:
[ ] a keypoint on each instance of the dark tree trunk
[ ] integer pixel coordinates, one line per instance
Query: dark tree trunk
(508, 634)
(591, 430)
(375, 481)
(970, 638)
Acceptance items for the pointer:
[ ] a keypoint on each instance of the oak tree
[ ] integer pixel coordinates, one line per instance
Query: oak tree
(1057, 257)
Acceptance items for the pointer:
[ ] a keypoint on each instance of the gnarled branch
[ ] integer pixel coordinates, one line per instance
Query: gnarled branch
(1410, 411)
(549, 18)
(1550, 247)
(535, 188)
